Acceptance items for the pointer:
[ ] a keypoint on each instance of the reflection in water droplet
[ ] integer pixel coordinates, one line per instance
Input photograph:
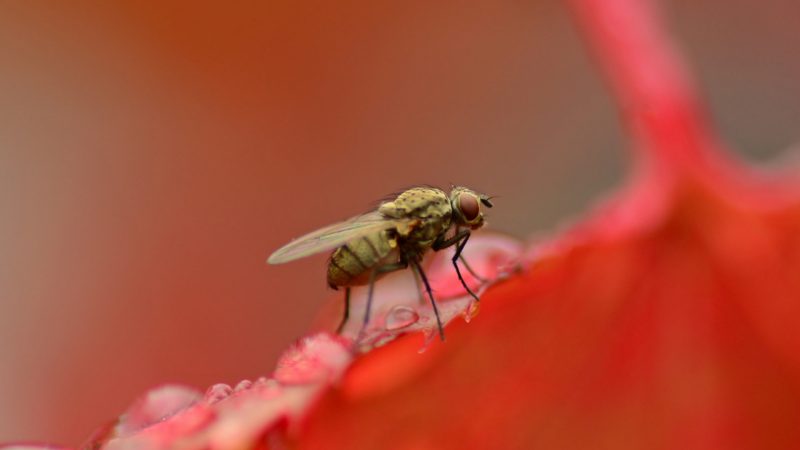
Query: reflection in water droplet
(155, 406)
(217, 392)
(400, 317)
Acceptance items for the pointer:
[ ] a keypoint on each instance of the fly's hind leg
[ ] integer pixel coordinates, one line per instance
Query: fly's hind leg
(346, 310)
(372, 277)
(415, 265)
(418, 284)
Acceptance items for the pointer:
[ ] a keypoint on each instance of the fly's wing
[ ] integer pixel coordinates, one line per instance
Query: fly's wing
(332, 236)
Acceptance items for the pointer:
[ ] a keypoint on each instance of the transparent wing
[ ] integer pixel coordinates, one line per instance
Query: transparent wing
(332, 236)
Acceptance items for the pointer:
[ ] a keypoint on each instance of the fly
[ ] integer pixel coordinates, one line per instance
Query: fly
(394, 237)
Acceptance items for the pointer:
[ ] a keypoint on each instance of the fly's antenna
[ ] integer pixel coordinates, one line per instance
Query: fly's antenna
(487, 199)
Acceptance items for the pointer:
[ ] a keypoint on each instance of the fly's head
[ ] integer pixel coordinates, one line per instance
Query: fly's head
(468, 207)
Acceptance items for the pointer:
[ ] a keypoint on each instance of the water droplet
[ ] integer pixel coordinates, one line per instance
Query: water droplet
(266, 386)
(472, 310)
(429, 334)
(243, 386)
(155, 406)
(313, 359)
(217, 392)
(401, 317)
(263, 382)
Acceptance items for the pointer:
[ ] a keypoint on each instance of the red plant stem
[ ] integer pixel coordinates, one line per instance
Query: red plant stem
(655, 91)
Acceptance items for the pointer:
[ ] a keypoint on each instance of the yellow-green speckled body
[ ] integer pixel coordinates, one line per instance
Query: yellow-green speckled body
(352, 263)
(414, 219)
(430, 210)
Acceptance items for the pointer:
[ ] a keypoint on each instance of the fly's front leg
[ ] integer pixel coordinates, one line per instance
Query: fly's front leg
(459, 240)
(442, 243)
(469, 269)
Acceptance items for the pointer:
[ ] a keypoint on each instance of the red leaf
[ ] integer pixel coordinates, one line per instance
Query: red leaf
(665, 320)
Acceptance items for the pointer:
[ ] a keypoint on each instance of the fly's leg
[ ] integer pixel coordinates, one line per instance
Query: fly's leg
(346, 310)
(459, 240)
(418, 283)
(469, 269)
(459, 247)
(372, 277)
(418, 269)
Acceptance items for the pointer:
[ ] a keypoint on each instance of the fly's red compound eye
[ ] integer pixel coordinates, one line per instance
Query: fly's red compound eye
(468, 204)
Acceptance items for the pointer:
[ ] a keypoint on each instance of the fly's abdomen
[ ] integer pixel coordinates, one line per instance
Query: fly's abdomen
(352, 263)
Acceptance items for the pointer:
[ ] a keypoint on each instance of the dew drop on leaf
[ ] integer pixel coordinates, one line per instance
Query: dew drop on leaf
(429, 334)
(401, 317)
(312, 360)
(157, 405)
(217, 392)
(471, 311)
(243, 386)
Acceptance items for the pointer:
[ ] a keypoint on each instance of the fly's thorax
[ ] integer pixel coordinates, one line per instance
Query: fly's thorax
(428, 208)
(419, 202)
(352, 263)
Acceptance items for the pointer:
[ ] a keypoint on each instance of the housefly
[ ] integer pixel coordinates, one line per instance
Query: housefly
(394, 237)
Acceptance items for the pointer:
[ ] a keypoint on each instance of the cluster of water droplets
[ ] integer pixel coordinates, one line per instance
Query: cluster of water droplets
(226, 416)
(308, 366)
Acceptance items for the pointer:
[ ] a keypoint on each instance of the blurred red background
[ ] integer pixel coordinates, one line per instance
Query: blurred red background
(151, 157)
